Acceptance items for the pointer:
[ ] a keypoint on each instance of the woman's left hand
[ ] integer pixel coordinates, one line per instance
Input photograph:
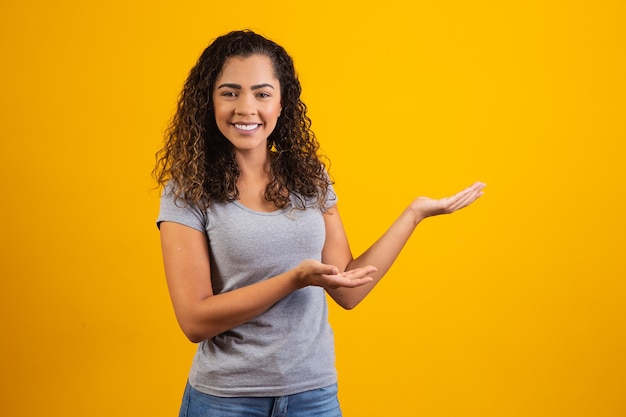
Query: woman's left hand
(424, 207)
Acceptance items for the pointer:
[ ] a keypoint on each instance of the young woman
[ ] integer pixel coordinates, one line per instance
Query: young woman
(252, 238)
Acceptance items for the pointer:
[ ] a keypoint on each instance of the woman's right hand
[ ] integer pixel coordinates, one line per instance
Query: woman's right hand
(203, 314)
(311, 272)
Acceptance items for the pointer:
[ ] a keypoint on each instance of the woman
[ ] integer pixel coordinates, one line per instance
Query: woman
(252, 238)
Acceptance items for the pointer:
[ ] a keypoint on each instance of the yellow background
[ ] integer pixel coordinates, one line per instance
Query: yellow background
(513, 307)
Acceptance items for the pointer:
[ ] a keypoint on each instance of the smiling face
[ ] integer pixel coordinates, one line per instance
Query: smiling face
(247, 102)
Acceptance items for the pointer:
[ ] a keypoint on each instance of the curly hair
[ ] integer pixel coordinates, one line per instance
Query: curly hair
(199, 162)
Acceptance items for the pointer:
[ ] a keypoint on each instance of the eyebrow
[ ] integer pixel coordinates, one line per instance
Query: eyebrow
(238, 86)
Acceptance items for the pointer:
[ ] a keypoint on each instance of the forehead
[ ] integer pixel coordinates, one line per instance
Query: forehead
(254, 67)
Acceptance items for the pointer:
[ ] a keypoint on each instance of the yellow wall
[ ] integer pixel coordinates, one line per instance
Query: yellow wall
(513, 307)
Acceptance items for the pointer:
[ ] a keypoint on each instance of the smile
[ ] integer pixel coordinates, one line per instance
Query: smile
(246, 127)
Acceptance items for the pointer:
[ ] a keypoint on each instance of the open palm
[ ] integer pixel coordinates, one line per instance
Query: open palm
(427, 207)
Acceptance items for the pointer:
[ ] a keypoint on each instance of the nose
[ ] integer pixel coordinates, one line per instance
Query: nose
(245, 105)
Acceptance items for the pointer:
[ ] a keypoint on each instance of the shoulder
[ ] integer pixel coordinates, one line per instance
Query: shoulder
(176, 209)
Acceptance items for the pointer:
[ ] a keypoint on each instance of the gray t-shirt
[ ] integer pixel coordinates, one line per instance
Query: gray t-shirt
(289, 348)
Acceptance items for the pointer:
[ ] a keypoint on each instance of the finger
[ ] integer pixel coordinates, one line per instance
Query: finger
(360, 282)
(359, 272)
(339, 281)
(350, 279)
(464, 202)
(465, 197)
(333, 270)
(324, 269)
(469, 196)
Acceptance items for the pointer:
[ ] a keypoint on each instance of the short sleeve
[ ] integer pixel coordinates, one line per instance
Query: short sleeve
(331, 197)
(180, 212)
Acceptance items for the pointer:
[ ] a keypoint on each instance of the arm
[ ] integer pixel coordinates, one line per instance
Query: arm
(202, 314)
(386, 249)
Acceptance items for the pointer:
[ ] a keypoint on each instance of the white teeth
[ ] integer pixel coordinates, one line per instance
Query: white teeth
(246, 127)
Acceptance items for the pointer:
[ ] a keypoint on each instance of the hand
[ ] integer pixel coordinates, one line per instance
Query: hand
(426, 207)
(312, 272)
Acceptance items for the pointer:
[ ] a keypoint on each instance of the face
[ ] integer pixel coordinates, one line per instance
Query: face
(246, 98)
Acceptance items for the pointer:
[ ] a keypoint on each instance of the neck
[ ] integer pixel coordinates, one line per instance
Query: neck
(253, 165)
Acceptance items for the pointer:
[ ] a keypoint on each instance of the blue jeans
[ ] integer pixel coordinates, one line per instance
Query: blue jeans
(321, 402)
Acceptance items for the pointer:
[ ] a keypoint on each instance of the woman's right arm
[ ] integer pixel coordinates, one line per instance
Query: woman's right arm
(202, 314)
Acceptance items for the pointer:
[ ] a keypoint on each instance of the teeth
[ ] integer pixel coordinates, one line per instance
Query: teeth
(246, 127)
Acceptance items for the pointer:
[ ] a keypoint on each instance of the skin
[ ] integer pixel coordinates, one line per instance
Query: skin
(247, 103)
(248, 94)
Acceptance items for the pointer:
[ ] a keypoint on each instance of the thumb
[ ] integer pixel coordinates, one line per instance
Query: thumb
(332, 270)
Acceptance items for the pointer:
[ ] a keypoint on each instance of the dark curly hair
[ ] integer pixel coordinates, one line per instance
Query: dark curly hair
(199, 162)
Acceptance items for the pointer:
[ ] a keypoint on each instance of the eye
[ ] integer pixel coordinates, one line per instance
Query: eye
(263, 94)
(228, 94)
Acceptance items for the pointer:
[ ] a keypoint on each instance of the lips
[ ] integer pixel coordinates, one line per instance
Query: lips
(246, 127)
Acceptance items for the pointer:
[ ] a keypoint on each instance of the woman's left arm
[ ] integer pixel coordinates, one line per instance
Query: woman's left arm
(386, 249)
